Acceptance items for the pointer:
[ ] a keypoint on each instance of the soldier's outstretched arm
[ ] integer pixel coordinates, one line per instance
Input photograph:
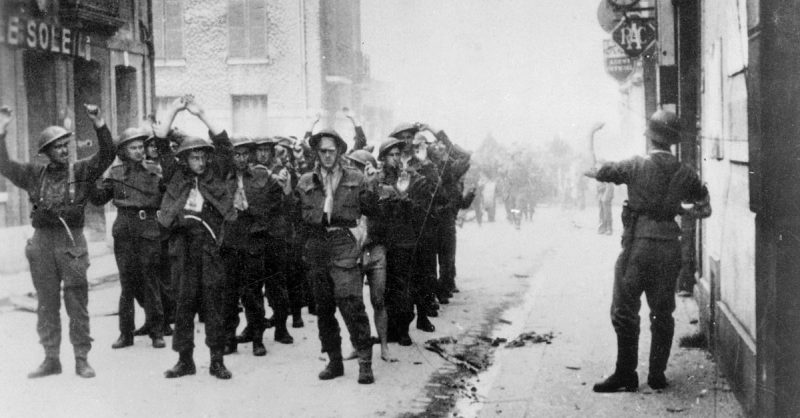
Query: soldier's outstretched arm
(21, 174)
(164, 124)
(99, 162)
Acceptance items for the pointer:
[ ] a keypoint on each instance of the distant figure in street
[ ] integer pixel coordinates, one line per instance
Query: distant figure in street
(651, 254)
(57, 253)
(605, 195)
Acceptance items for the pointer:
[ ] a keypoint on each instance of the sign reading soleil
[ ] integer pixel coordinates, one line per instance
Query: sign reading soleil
(27, 32)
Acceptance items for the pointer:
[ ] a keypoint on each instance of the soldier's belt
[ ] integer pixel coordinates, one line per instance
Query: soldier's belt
(140, 213)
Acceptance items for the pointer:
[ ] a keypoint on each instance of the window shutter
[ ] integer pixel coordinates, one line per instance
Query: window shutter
(257, 28)
(173, 29)
(158, 28)
(237, 36)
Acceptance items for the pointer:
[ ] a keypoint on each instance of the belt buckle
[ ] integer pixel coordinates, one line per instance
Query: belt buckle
(142, 214)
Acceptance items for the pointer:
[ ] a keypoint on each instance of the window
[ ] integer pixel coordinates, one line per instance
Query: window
(247, 29)
(168, 29)
(250, 115)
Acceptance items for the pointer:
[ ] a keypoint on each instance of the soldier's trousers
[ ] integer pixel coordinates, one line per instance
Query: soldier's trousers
(399, 275)
(424, 283)
(296, 282)
(650, 266)
(55, 259)
(200, 287)
(139, 264)
(245, 271)
(446, 254)
(331, 261)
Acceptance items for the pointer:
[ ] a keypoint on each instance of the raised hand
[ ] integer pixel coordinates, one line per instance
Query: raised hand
(93, 111)
(192, 106)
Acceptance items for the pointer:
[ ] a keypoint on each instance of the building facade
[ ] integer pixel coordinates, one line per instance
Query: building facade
(57, 55)
(261, 67)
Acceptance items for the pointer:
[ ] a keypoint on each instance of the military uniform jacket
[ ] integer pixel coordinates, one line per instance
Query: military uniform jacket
(180, 180)
(351, 199)
(34, 178)
(133, 187)
(266, 209)
(657, 184)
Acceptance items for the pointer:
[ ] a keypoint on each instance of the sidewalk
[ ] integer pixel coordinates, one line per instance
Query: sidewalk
(570, 295)
(16, 288)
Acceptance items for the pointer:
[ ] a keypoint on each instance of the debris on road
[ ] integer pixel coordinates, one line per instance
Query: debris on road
(531, 337)
(493, 342)
(504, 321)
(573, 367)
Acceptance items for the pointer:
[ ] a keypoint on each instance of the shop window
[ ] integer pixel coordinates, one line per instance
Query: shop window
(247, 29)
(168, 29)
(250, 115)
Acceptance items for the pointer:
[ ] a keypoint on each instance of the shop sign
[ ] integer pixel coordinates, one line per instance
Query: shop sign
(30, 33)
(618, 64)
(635, 35)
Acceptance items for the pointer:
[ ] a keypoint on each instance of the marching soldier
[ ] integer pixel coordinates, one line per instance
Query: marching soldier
(332, 198)
(196, 205)
(57, 252)
(651, 253)
(134, 187)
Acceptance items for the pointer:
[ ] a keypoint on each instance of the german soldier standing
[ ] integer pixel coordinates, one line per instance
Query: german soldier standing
(57, 252)
(651, 253)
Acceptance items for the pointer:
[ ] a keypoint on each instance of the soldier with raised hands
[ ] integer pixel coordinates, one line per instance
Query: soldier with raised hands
(196, 206)
(57, 252)
(135, 187)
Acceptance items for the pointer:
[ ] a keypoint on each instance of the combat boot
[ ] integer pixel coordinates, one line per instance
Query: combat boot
(217, 367)
(50, 366)
(424, 324)
(258, 345)
(627, 381)
(335, 367)
(245, 336)
(624, 376)
(232, 345)
(183, 367)
(657, 381)
(281, 333)
(124, 340)
(83, 369)
(158, 342)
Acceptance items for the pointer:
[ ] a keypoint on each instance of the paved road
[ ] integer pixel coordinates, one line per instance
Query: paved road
(554, 275)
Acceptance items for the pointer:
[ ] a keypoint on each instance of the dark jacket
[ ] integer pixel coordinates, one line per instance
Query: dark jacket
(180, 180)
(266, 211)
(32, 176)
(657, 184)
(351, 199)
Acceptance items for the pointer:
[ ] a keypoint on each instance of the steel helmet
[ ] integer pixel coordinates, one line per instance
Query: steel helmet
(284, 142)
(362, 157)
(664, 127)
(263, 140)
(51, 134)
(389, 144)
(190, 143)
(242, 141)
(315, 139)
(405, 126)
(133, 133)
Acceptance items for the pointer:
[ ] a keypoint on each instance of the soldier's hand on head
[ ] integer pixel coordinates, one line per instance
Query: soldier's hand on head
(192, 106)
